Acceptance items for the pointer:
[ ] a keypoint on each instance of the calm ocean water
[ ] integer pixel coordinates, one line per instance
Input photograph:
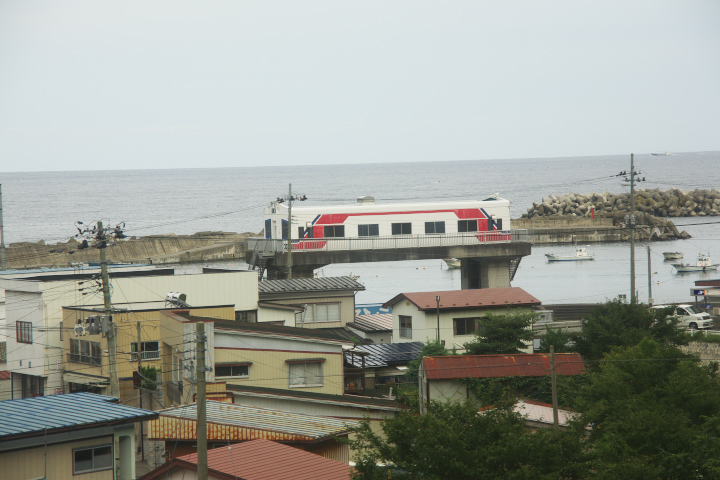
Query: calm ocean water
(46, 205)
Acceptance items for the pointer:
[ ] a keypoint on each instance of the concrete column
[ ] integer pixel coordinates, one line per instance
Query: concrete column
(484, 273)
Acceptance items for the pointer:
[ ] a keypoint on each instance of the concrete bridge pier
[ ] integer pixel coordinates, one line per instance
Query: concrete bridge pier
(485, 273)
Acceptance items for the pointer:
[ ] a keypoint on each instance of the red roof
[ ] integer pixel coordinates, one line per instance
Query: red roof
(262, 460)
(487, 366)
(462, 299)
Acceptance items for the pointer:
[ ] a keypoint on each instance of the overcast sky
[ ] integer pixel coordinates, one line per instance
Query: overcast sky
(90, 84)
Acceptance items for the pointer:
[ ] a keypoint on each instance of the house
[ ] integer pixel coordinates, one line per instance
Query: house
(34, 301)
(452, 316)
(255, 460)
(86, 366)
(231, 423)
(441, 378)
(376, 327)
(77, 435)
(379, 368)
(326, 302)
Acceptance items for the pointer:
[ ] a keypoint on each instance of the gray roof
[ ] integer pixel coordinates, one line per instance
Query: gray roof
(375, 322)
(323, 284)
(37, 415)
(387, 354)
(264, 419)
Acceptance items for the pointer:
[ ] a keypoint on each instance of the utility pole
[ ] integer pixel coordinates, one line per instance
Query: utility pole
(290, 198)
(140, 350)
(553, 387)
(3, 253)
(650, 297)
(111, 338)
(631, 220)
(200, 402)
(437, 313)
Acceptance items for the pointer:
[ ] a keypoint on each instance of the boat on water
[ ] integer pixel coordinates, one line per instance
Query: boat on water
(452, 263)
(673, 255)
(581, 254)
(704, 264)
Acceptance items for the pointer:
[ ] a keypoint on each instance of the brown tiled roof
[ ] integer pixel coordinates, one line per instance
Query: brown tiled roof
(463, 299)
(448, 367)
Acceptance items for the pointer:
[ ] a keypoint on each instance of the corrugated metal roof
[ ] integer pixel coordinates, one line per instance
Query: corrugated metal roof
(387, 354)
(376, 322)
(463, 299)
(342, 336)
(229, 421)
(266, 460)
(322, 284)
(33, 416)
(488, 366)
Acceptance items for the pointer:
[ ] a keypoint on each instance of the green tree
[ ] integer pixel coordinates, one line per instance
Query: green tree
(502, 332)
(454, 441)
(617, 324)
(408, 390)
(561, 340)
(654, 413)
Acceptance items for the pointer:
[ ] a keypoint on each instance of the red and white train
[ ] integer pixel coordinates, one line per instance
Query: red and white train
(318, 227)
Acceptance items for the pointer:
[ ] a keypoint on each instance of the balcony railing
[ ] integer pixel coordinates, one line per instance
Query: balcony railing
(147, 355)
(269, 246)
(86, 359)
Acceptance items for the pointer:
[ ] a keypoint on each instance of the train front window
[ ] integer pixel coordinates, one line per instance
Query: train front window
(305, 232)
(369, 230)
(332, 231)
(467, 226)
(434, 227)
(498, 223)
(401, 228)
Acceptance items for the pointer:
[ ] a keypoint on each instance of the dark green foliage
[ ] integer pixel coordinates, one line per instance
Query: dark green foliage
(562, 341)
(505, 390)
(431, 348)
(616, 324)
(505, 332)
(150, 378)
(455, 442)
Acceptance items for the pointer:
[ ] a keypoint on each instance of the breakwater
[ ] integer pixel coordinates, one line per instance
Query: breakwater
(658, 203)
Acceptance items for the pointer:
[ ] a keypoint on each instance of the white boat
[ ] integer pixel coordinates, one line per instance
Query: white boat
(581, 254)
(704, 264)
(672, 255)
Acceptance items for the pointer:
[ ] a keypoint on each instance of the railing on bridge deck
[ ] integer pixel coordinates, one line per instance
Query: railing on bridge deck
(268, 246)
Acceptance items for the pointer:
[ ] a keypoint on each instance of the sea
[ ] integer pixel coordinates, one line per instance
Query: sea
(46, 205)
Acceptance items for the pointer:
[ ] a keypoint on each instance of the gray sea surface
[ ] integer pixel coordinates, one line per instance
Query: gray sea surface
(46, 205)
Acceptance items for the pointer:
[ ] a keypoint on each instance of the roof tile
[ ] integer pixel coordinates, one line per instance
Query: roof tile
(481, 297)
(321, 284)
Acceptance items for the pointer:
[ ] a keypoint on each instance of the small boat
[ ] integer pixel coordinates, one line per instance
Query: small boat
(452, 263)
(704, 264)
(581, 254)
(672, 255)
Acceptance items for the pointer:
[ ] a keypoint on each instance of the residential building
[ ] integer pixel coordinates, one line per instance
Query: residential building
(255, 460)
(452, 316)
(441, 378)
(230, 423)
(34, 300)
(376, 327)
(379, 369)
(326, 302)
(77, 435)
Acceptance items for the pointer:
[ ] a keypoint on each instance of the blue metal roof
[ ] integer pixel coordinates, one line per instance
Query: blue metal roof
(28, 416)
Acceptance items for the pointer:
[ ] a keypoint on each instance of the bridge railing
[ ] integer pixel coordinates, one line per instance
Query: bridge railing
(271, 246)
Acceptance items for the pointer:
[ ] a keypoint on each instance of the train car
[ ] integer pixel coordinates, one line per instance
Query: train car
(377, 224)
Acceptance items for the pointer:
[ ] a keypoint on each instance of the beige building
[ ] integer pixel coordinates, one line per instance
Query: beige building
(452, 316)
(75, 436)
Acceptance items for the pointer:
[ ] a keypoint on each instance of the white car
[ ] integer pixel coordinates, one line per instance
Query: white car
(688, 316)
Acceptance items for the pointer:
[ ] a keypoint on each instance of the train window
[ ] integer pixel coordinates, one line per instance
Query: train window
(334, 231)
(401, 228)
(305, 232)
(369, 230)
(498, 223)
(467, 226)
(434, 227)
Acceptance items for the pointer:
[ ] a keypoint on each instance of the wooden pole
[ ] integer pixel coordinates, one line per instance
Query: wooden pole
(553, 387)
(140, 389)
(111, 338)
(202, 471)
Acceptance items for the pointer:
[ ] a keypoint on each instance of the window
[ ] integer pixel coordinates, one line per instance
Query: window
(368, 230)
(284, 229)
(498, 223)
(434, 227)
(305, 232)
(334, 231)
(322, 312)
(150, 351)
(305, 373)
(85, 351)
(465, 326)
(467, 225)
(92, 459)
(401, 228)
(246, 316)
(405, 326)
(23, 332)
(233, 370)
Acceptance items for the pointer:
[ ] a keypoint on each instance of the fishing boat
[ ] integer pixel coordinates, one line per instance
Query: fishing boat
(581, 254)
(673, 255)
(452, 263)
(704, 264)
